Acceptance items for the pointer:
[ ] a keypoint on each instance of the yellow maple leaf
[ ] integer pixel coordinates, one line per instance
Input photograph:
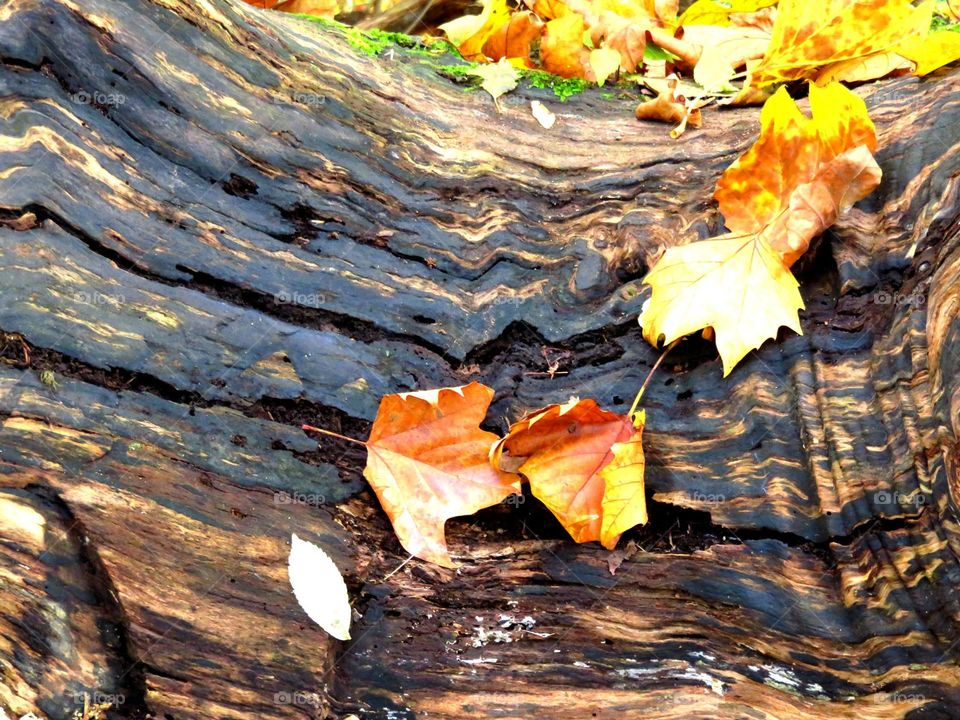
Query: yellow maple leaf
(710, 12)
(735, 284)
(624, 502)
(810, 35)
(932, 51)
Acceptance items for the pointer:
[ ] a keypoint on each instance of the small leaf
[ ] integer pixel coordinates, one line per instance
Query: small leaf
(515, 38)
(672, 108)
(604, 62)
(542, 114)
(498, 78)
(471, 32)
(562, 51)
(319, 588)
(724, 51)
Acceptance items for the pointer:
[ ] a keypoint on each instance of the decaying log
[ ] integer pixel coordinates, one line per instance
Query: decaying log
(217, 223)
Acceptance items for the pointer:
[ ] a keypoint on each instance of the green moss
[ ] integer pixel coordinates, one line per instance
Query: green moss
(455, 71)
(562, 87)
(373, 42)
(942, 23)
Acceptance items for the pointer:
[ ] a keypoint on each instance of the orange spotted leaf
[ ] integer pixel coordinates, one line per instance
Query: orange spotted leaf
(808, 36)
(802, 172)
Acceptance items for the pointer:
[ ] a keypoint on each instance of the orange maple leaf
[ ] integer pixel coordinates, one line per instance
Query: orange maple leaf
(581, 461)
(428, 461)
(802, 172)
(514, 38)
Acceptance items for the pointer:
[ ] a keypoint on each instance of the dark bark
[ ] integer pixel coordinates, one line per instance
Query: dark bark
(219, 223)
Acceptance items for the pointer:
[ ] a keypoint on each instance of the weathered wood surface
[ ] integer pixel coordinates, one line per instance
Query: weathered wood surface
(272, 228)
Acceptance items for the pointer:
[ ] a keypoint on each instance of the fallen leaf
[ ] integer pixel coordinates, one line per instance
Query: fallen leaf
(319, 588)
(470, 32)
(428, 462)
(736, 284)
(710, 12)
(761, 19)
(548, 9)
(863, 69)
(564, 451)
(671, 107)
(724, 50)
(810, 35)
(795, 172)
(626, 37)
(624, 501)
(498, 78)
(791, 185)
(515, 38)
(932, 51)
(604, 62)
(562, 51)
(542, 114)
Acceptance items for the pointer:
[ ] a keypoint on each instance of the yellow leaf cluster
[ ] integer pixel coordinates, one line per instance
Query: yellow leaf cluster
(785, 190)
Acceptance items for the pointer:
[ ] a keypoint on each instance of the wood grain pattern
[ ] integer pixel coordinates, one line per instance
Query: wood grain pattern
(218, 223)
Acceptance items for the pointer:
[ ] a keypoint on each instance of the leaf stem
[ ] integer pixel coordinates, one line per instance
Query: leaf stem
(333, 434)
(636, 400)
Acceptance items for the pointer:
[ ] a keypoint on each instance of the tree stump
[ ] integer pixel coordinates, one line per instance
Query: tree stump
(219, 223)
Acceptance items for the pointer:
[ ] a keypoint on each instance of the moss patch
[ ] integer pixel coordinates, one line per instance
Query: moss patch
(942, 23)
(562, 87)
(373, 42)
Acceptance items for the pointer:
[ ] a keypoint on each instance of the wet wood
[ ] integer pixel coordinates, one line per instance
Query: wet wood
(218, 223)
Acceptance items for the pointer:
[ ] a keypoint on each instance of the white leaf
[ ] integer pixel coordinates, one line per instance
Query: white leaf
(319, 588)
(542, 113)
